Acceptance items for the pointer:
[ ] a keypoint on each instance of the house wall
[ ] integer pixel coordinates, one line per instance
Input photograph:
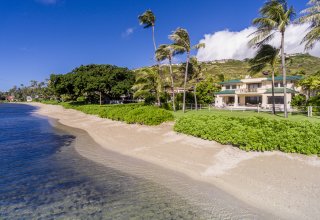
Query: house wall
(242, 92)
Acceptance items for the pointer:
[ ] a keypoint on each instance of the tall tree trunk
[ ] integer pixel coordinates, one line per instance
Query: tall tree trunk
(172, 85)
(154, 38)
(273, 101)
(195, 96)
(285, 105)
(100, 99)
(158, 63)
(185, 83)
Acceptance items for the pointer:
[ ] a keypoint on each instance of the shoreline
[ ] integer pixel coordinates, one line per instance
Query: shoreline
(285, 185)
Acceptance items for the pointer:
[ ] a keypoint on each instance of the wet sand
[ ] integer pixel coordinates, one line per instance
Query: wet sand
(285, 185)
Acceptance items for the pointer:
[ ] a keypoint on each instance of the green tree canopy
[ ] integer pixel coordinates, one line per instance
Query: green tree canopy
(111, 81)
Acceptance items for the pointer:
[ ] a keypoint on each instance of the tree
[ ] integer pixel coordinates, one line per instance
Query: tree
(166, 52)
(86, 81)
(312, 17)
(181, 38)
(196, 76)
(147, 83)
(275, 17)
(267, 55)
(148, 19)
(311, 84)
(206, 89)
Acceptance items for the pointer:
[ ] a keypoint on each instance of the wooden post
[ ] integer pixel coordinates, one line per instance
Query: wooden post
(100, 99)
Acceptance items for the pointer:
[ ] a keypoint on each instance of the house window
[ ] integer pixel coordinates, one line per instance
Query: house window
(254, 85)
(278, 84)
(277, 99)
(231, 87)
(253, 100)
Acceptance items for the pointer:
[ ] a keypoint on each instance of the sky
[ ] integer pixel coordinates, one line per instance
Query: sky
(41, 37)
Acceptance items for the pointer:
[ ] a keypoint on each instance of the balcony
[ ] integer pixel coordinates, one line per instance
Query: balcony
(249, 90)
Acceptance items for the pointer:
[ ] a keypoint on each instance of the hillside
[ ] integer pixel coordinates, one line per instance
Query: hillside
(300, 64)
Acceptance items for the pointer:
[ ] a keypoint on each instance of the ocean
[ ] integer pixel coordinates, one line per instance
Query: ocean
(43, 177)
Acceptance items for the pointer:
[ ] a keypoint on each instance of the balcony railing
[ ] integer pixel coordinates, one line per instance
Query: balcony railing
(249, 90)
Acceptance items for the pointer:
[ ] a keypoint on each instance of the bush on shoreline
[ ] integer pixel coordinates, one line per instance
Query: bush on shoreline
(254, 133)
(130, 113)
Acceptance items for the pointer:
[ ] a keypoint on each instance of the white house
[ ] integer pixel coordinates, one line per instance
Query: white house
(251, 92)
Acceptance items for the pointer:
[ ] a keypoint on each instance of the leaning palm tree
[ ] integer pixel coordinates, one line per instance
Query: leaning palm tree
(267, 55)
(148, 19)
(166, 52)
(275, 17)
(180, 38)
(312, 17)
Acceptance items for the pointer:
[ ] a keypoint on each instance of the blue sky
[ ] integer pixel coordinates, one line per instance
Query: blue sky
(40, 37)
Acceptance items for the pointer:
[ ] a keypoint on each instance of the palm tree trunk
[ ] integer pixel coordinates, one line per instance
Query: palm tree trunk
(158, 63)
(284, 76)
(273, 101)
(195, 96)
(154, 39)
(172, 85)
(185, 83)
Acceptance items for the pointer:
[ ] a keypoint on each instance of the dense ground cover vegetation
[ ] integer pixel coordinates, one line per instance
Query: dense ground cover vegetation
(295, 116)
(254, 133)
(137, 113)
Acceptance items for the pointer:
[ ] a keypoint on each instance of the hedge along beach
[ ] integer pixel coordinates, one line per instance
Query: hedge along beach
(285, 185)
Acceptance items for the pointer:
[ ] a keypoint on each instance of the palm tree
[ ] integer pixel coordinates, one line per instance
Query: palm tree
(148, 19)
(275, 17)
(311, 16)
(147, 82)
(197, 76)
(266, 55)
(181, 38)
(166, 52)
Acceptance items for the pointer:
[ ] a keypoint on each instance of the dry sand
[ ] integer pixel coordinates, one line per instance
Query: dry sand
(286, 185)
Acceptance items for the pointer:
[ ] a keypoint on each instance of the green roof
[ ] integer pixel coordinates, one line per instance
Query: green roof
(280, 78)
(280, 90)
(231, 81)
(225, 92)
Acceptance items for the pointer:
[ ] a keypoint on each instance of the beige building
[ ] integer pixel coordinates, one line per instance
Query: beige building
(253, 92)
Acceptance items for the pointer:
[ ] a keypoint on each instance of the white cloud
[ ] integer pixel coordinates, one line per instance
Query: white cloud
(234, 45)
(128, 32)
(48, 2)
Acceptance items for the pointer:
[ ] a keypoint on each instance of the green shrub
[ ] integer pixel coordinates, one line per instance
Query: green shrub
(254, 133)
(148, 115)
(130, 113)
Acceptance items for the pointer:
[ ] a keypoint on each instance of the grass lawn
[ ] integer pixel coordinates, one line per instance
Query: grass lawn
(245, 114)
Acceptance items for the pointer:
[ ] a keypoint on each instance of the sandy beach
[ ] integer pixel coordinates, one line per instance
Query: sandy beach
(285, 185)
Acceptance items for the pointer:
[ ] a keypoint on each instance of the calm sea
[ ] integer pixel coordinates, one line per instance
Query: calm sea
(43, 177)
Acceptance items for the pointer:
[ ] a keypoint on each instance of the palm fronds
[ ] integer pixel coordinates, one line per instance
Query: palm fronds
(147, 19)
